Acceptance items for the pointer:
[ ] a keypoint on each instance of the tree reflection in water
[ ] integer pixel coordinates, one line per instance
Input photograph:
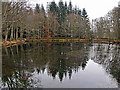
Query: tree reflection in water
(109, 57)
(59, 59)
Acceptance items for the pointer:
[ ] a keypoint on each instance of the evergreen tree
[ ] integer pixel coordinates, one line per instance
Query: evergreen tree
(62, 12)
(86, 23)
(37, 8)
(42, 8)
(75, 10)
(60, 5)
(79, 12)
(66, 8)
(84, 13)
(53, 8)
(70, 8)
(66, 5)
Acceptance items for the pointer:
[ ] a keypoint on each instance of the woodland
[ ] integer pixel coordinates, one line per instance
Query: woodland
(59, 20)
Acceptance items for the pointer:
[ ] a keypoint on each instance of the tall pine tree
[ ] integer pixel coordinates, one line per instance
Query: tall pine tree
(70, 8)
(53, 8)
(37, 8)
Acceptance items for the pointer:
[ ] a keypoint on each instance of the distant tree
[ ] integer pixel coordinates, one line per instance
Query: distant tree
(70, 8)
(42, 8)
(66, 9)
(116, 21)
(37, 8)
(62, 12)
(75, 10)
(73, 26)
(54, 24)
(86, 24)
(53, 8)
(79, 12)
(108, 26)
(84, 13)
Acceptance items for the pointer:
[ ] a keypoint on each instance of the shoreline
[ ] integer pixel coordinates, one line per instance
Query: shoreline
(17, 42)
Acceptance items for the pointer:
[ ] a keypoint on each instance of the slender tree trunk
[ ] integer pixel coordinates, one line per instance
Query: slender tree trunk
(17, 49)
(17, 32)
(38, 33)
(6, 51)
(21, 32)
(6, 36)
(11, 51)
(12, 32)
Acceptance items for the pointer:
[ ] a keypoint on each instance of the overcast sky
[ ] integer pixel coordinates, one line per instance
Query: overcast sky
(95, 8)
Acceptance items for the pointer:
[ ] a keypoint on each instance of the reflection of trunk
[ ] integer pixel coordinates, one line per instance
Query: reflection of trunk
(29, 33)
(118, 86)
(38, 33)
(71, 46)
(12, 51)
(21, 46)
(17, 49)
(6, 51)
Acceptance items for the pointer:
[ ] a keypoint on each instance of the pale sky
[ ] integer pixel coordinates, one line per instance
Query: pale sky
(94, 8)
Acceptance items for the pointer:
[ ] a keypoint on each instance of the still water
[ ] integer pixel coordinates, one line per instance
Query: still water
(61, 65)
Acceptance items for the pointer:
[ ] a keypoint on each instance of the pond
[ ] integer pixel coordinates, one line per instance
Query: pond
(61, 65)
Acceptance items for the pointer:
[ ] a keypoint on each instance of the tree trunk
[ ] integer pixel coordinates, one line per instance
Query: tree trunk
(6, 36)
(21, 32)
(16, 32)
(11, 38)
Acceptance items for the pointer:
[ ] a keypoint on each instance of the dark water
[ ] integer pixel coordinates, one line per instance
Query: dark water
(61, 65)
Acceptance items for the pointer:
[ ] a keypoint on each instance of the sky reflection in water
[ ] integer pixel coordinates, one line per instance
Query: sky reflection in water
(61, 65)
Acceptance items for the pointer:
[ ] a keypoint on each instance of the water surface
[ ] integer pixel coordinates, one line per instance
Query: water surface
(61, 65)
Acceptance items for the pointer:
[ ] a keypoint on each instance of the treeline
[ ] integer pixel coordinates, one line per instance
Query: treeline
(62, 20)
(107, 26)
(58, 20)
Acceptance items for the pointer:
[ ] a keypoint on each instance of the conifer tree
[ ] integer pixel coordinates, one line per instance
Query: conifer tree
(84, 13)
(70, 8)
(37, 8)
(53, 8)
(86, 23)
